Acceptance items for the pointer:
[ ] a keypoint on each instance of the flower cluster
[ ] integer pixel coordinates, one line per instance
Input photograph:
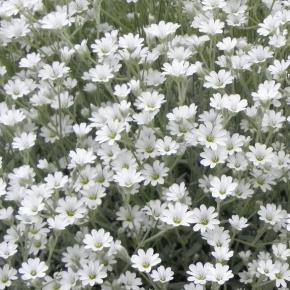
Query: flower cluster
(144, 144)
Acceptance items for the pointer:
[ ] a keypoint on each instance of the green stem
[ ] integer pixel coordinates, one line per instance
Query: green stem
(52, 247)
(260, 233)
(98, 7)
(158, 235)
(59, 112)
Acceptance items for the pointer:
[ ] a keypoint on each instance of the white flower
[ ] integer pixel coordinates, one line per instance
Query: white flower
(30, 61)
(3, 70)
(222, 253)
(162, 274)
(278, 68)
(110, 133)
(271, 213)
(7, 275)
(93, 195)
(218, 80)
(33, 269)
(31, 205)
(130, 42)
(101, 73)
(178, 192)
(260, 53)
(24, 141)
(179, 53)
(227, 44)
(92, 273)
(204, 218)
(150, 101)
(154, 174)
(220, 274)
(161, 30)
(272, 121)
(128, 177)
(11, 117)
(131, 217)
(81, 157)
(179, 68)
(54, 20)
(56, 180)
(130, 280)
(269, 25)
(238, 223)
(18, 88)
(211, 135)
(2, 187)
(6, 214)
(222, 187)
(177, 215)
(122, 91)
(267, 268)
(281, 251)
(213, 157)
(268, 92)
(7, 249)
(107, 45)
(98, 240)
(208, 26)
(282, 275)
(192, 286)
(56, 70)
(68, 279)
(58, 222)
(71, 209)
(144, 261)
(154, 208)
(234, 104)
(260, 154)
(15, 28)
(198, 273)
(153, 77)
(167, 146)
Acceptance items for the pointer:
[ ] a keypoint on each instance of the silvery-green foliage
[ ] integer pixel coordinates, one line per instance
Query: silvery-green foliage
(144, 144)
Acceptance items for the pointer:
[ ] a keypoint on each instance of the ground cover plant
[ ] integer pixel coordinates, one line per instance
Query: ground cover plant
(144, 144)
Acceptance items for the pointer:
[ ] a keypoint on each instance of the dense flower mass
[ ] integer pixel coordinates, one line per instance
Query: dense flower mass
(144, 144)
